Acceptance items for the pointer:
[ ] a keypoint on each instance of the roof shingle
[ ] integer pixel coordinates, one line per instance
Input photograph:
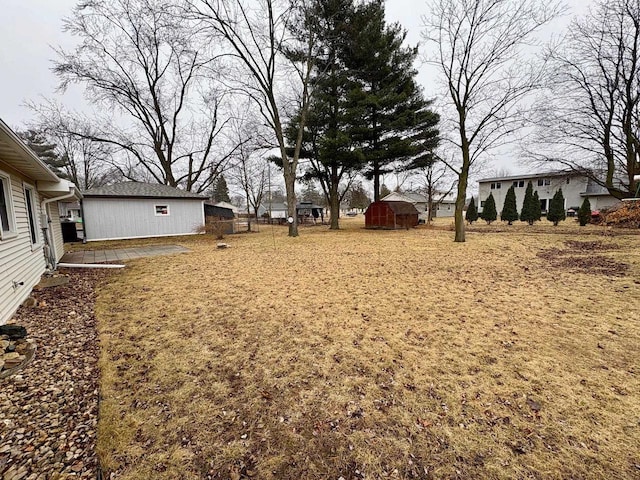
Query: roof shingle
(140, 190)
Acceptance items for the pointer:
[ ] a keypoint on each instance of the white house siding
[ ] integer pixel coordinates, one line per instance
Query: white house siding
(599, 202)
(445, 209)
(571, 191)
(120, 218)
(20, 261)
(574, 188)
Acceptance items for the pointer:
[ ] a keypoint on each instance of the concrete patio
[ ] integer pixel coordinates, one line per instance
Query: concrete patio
(121, 254)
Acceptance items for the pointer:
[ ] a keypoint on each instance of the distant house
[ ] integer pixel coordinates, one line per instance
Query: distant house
(273, 210)
(417, 200)
(135, 210)
(70, 211)
(443, 208)
(391, 215)
(446, 208)
(575, 188)
(30, 231)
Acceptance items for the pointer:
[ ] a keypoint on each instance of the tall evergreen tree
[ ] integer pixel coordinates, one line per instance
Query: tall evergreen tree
(358, 197)
(45, 151)
(394, 121)
(584, 212)
(536, 207)
(509, 209)
(221, 191)
(328, 137)
(489, 213)
(556, 211)
(528, 212)
(472, 212)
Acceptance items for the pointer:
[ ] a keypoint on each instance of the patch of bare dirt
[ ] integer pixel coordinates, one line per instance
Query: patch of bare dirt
(598, 245)
(579, 257)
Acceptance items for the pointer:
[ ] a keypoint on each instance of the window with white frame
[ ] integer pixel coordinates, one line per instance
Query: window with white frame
(496, 185)
(29, 200)
(162, 210)
(7, 219)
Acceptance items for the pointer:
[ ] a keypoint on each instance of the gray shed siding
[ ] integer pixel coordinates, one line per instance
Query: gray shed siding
(20, 261)
(121, 218)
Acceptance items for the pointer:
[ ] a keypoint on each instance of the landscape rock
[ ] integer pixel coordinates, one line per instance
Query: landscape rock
(49, 406)
(13, 332)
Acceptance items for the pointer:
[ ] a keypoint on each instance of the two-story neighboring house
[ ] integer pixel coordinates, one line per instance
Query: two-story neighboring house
(575, 187)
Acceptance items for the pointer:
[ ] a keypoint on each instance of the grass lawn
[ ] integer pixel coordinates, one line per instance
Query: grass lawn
(375, 354)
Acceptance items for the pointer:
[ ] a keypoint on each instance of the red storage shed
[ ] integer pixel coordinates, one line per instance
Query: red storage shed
(391, 215)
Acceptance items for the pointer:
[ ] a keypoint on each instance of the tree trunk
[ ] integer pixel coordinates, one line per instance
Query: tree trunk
(334, 199)
(462, 193)
(429, 203)
(289, 184)
(376, 182)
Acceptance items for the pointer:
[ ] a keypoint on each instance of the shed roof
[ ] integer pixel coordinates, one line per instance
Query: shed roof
(402, 208)
(216, 210)
(141, 190)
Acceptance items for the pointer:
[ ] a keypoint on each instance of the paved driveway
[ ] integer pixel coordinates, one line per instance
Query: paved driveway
(121, 254)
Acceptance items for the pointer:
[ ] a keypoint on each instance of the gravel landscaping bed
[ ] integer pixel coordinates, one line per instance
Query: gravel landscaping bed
(48, 410)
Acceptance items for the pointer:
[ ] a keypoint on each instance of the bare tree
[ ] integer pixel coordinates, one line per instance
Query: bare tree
(140, 60)
(435, 181)
(251, 170)
(588, 120)
(87, 163)
(480, 56)
(273, 42)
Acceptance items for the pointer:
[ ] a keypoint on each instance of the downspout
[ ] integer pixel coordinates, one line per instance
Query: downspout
(84, 224)
(48, 234)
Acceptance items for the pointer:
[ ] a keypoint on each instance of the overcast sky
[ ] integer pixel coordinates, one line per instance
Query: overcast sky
(32, 28)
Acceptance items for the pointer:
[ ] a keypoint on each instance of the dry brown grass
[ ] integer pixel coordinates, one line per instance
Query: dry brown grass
(372, 354)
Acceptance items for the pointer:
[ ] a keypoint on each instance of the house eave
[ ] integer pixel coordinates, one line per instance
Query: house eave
(16, 154)
(524, 176)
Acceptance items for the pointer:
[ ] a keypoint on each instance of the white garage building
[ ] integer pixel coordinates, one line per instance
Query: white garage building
(138, 210)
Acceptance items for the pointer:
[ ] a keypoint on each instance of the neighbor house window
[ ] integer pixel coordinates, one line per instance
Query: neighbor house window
(543, 204)
(482, 203)
(7, 221)
(496, 185)
(162, 210)
(518, 184)
(568, 180)
(29, 201)
(540, 182)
